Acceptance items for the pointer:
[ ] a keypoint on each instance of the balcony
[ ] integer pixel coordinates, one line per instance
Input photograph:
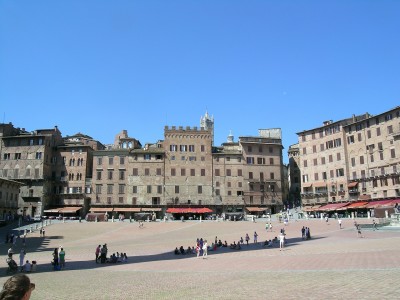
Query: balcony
(341, 192)
(353, 191)
(333, 192)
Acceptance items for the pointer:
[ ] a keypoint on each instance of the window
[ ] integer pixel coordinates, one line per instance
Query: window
(147, 157)
(390, 129)
(304, 150)
(392, 153)
(121, 175)
(272, 175)
(192, 172)
(250, 160)
(239, 172)
(315, 162)
(324, 176)
(17, 156)
(99, 161)
(339, 172)
(321, 147)
(120, 199)
(149, 189)
(183, 172)
(316, 176)
(203, 172)
(159, 189)
(217, 173)
(261, 160)
(350, 139)
(338, 157)
(110, 174)
(369, 134)
(305, 163)
(260, 150)
(353, 161)
(202, 148)
(322, 160)
(228, 172)
(135, 172)
(378, 131)
(121, 160)
(199, 189)
(249, 149)
(271, 161)
(38, 155)
(173, 148)
(147, 172)
(173, 172)
(314, 148)
(250, 175)
(191, 148)
(134, 189)
(361, 160)
(330, 158)
(121, 189)
(109, 188)
(183, 148)
(158, 171)
(98, 188)
(110, 161)
(177, 189)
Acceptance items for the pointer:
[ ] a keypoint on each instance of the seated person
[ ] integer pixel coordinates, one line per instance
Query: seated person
(241, 240)
(233, 246)
(176, 251)
(220, 243)
(181, 250)
(225, 244)
(238, 247)
(189, 250)
(275, 240)
(27, 266)
(124, 257)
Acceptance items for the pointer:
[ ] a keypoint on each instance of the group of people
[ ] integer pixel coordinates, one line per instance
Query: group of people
(305, 233)
(101, 254)
(58, 258)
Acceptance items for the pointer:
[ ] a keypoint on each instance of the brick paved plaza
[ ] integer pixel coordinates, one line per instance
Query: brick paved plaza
(334, 264)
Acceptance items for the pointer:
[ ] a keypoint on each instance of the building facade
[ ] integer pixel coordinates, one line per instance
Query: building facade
(351, 159)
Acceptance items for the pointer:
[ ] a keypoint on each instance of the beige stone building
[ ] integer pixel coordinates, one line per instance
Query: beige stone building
(77, 174)
(9, 195)
(373, 156)
(28, 157)
(351, 159)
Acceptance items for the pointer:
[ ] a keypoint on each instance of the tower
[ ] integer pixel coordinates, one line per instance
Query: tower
(207, 122)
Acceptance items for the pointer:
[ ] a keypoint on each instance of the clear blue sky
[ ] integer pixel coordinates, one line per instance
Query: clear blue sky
(98, 67)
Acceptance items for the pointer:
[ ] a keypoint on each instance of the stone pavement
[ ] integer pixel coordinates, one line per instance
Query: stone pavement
(334, 264)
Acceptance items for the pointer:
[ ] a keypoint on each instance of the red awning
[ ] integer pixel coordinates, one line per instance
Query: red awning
(332, 206)
(352, 184)
(306, 184)
(188, 210)
(357, 205)
(255, 209)
(375, 204)
(319, 184)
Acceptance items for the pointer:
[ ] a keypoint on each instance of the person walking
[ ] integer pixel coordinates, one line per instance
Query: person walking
(205, 245)
(247, 238)
(22, 258)
(374, 225)
(281, 241)
(340, 223)
(255, 237)
(97, 253)
(270, 226)
(62, 258)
